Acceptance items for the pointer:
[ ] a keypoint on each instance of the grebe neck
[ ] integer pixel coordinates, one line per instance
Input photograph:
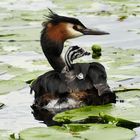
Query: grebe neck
(52, 51)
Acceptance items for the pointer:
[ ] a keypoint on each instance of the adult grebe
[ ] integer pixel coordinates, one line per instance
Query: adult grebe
(69, 85)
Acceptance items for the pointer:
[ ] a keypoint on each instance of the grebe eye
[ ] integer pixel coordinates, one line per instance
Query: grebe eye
(75, 27)
(78, 28)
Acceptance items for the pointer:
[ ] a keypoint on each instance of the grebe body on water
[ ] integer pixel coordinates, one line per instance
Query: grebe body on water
(69, 85)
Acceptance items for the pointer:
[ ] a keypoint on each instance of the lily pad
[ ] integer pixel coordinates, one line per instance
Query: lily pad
(51, 133)
(7, 35)
(122, 18)
(4, 68)
(117, 57)
(10, 85)
(72, 5)
(117, 112)
(40, 62)
(28, 76)
(78, 132)
(5, 135)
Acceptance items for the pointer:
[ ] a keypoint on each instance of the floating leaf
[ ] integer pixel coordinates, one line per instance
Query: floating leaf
(28, 76)
(5, 135)
(122, 18)
(120, 112)
(7, 35)
(10, 85)
(70, 5)
(78, 132)
(4, 68)
(51, 133)
(40, 62)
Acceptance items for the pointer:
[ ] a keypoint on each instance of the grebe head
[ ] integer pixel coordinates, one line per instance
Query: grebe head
(57, 29)
(61, 28)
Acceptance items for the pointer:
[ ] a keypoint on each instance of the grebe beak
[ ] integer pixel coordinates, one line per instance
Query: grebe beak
(87, 31)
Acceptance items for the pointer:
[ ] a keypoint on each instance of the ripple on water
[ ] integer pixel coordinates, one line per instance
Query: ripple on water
(16, 115)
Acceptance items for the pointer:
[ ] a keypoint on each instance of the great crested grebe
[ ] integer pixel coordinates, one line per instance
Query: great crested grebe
(69, 85)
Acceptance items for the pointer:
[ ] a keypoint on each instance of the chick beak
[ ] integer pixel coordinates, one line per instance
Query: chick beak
(87, 31)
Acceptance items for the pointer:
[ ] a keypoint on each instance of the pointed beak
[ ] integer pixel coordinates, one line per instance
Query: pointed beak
(86, 53)
(87, 31)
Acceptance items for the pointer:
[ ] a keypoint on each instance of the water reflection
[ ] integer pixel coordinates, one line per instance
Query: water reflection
(44, 115)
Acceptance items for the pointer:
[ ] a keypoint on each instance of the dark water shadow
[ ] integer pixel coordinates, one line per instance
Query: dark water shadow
(44, 115)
